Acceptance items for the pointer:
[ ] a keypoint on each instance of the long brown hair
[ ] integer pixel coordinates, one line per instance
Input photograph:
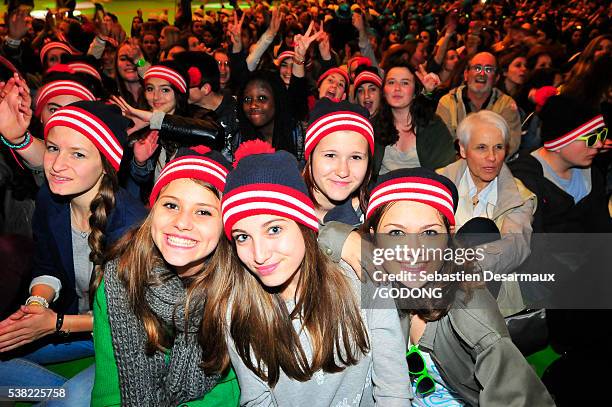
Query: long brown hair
(137, 256)
(261, 325)
(431, 309)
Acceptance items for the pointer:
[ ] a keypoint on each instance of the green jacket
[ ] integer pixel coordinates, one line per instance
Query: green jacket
(106, 384)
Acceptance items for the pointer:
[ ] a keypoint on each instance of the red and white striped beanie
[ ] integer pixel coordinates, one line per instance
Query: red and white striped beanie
(61, 87)
(418, 185)
(55, 45)
(194, 162)
(169, 74)
(266, 182)
(367, 77)
(85, 68)
(102, 124)
(338, 71)
(329, 116)
(282, 56)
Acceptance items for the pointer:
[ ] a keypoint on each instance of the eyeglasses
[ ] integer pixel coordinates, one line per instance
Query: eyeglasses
(418, 370)
(592, 138)
(488, 69)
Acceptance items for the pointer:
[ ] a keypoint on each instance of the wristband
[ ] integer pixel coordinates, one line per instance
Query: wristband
(12, 43)
(58, 325)
(37, 300)
(23, 145)
(298, 61)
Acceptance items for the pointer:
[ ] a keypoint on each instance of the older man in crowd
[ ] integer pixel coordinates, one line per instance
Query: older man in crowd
(487, 189)
(478, 94)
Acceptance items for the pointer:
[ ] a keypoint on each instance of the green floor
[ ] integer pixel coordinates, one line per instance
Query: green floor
(539, 360)
(126, 9)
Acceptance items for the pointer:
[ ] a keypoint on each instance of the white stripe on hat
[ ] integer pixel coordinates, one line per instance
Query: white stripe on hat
(586, 128)
(85, 68)
(91, 129)
(385, 194)
(54, 44)
(308, 218)
(270, 195)
(203, 166)
(367, 76)
(168, 74)
(66, 85)
(337, 121)
(407, 196)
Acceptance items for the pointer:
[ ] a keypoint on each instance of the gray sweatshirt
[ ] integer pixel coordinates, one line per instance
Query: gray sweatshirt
(380, 378)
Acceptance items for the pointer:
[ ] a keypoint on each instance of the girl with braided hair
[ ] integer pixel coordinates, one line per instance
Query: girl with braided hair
(79, 211)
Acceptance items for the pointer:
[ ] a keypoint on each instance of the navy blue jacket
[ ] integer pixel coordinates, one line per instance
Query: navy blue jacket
(53, 239)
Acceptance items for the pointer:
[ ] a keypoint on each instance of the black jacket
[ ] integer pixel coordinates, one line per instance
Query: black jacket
(557, 212)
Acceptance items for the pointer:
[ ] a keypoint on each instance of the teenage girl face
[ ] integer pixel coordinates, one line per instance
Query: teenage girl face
(160, 95)
(150, 46)
(54, 57)
(413, 224)
(517, 71)
(399, 87)
(338, 165)
(450, 60)
(55, 103)
(258, 103)
(72, 163)
(272, 248)
(544, 61)
(333, 87)
(368, 96)
(286, 68)
(186, 225)
(125, 67)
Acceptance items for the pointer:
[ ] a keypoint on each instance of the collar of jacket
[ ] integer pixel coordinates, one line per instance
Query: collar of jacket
(508, 194)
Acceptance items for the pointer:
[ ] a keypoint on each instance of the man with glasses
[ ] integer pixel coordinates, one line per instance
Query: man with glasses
(477, 94)
(571, 191)
(571, 199)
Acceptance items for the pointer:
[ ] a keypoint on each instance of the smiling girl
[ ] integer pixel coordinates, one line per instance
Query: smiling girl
(149, 307)
(286, 317)
(78, 212)
(459, 349)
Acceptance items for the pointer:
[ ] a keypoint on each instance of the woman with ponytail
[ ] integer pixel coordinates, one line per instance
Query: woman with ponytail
(79, 211)
(149, 306)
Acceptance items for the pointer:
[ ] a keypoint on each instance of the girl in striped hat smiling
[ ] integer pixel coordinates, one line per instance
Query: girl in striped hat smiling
(79, 211)
(286, 317)
(149, 306)
(459, 350)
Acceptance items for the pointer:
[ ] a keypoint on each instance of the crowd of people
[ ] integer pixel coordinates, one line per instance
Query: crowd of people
(196, 204)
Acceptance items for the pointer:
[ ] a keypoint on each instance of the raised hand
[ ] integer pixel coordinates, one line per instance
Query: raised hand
(358, 22)
(275, 20)
(302, 42)
(429, 80)
(141, 118)
(15, 111)
(324, 46)
(234, 31)
(144, 148)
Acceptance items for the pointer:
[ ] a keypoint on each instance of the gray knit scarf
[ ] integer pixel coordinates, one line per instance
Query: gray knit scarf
(151, 380)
